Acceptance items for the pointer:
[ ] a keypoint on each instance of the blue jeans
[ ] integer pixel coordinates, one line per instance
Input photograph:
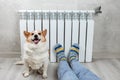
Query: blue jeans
(76, 71)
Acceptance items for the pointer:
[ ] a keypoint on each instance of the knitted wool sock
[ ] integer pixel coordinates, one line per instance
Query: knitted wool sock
(73, 53)
(59, 50)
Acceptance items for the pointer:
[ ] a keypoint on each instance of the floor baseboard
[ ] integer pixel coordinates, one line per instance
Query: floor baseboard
(106, 55)
(95, 55)
(10, 54)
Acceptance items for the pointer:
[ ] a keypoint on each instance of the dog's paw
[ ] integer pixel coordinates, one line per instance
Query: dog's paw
(40, 72)
(44, 79)
(44, 76)
(26, 74)
(19, 62)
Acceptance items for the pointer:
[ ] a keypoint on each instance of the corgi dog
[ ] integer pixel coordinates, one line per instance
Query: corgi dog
(36, 55)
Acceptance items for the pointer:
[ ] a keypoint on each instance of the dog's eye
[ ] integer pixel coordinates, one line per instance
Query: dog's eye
(32, 33)
(39, 33)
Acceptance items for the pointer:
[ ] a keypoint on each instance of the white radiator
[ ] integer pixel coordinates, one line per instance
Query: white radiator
(65, 27)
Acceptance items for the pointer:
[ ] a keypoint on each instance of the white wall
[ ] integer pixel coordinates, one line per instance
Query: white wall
(107, 30)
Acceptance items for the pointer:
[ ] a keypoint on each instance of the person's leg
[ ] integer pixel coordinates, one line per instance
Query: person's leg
(64, 71)
(81, 72)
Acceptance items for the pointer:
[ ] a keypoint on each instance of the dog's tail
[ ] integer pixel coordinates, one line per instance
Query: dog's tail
(19, 62)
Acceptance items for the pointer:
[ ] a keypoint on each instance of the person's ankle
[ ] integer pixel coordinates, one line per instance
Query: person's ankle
(73, 53)
(59, 50)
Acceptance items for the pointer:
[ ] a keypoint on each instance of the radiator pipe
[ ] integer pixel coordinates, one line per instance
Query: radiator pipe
(98, 10)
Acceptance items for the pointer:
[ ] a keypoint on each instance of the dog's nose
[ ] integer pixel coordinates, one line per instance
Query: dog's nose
(35, 36)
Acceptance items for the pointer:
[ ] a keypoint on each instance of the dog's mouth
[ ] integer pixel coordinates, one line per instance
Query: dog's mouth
(36, 40)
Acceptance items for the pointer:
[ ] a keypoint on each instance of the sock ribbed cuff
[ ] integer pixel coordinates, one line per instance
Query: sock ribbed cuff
(59, 50)
(73, 53)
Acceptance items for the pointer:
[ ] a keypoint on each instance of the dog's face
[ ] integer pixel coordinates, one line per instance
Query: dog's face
(35, 36)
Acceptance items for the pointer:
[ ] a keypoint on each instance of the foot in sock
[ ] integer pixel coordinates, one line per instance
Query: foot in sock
(59, 50)
(73, 53)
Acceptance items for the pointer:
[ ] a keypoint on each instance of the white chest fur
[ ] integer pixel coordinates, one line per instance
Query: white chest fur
(36, 54)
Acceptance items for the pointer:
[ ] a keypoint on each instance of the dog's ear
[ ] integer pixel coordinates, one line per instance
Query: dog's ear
(44, 32)
(26, 34)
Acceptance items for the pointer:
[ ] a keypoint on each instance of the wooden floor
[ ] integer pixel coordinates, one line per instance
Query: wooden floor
(107, 69)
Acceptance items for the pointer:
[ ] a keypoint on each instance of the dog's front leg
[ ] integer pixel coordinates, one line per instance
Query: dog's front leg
(45, 67)
(26, 73)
